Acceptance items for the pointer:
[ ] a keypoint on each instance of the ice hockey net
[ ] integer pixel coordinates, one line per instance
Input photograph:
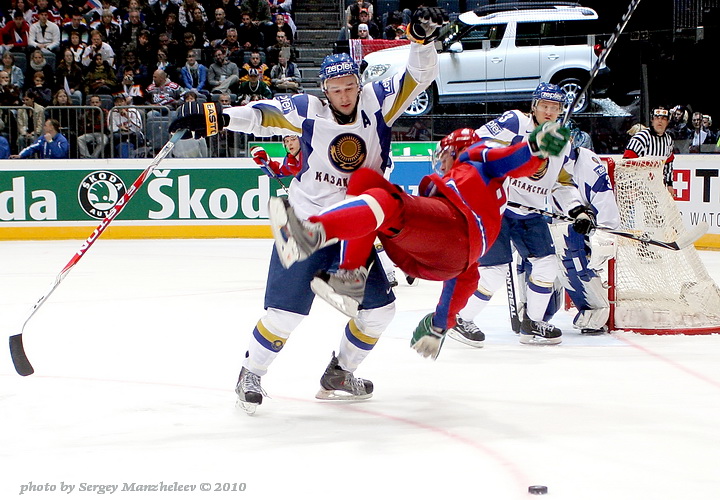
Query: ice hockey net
(654, 290)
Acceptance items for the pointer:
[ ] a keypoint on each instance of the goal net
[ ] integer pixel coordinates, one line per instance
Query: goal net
(654, 290)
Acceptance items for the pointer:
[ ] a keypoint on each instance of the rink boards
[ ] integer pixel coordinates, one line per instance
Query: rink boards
(209, 198)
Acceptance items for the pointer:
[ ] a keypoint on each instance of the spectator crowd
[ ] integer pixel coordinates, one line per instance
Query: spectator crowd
(126, 57)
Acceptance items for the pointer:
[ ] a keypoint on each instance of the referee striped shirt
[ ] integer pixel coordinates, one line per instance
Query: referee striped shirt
(648, 143)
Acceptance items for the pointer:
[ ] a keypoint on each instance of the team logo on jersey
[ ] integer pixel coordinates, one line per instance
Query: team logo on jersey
(540, 171)
(347, 152)
(99, 192)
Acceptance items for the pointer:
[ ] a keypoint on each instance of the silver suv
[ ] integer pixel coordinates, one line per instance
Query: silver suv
(502, 53)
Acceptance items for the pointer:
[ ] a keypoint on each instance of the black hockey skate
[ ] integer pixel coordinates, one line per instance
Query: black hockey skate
(538, 332)
(339, 384)
(466, 332)
(295, 239)
(343, 289)
(250, 393)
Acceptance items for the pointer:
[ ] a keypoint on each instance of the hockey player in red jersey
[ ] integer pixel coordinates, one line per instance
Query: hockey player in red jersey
(437, 236)
(291, 165)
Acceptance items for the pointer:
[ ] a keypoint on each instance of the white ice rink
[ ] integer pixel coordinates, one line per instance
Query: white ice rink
(137, 353)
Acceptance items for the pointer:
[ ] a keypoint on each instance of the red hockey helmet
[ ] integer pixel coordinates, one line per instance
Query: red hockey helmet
(454, 143)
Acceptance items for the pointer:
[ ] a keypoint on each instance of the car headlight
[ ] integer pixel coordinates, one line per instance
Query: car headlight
(375, 71)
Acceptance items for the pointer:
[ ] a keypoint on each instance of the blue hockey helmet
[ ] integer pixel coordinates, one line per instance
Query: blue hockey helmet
(336, 66)
(549, 92)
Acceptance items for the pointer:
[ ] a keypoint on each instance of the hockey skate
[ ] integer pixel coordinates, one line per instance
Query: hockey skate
(295, 239)
(250, 393)
(344, 289)
(391, 278)
(539, 332)
(466, 332)
(339, 384)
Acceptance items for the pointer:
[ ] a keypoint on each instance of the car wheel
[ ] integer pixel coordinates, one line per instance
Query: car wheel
(422, 104)
(572, 87)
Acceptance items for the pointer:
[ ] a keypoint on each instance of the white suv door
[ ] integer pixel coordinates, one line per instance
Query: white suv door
(524, 72)
(475, 63)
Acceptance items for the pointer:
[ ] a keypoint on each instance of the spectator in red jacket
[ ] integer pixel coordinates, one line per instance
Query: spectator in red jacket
(15, 33)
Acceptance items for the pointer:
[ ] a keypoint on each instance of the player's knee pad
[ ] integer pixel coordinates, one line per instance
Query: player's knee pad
(544, 271)
(281, 322)
(492, 278)
(374, 322)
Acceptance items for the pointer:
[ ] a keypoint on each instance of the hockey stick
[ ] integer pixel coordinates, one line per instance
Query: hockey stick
(512, 299)
(688, 239)
(266, 164)
(17, 350)
(602, 58)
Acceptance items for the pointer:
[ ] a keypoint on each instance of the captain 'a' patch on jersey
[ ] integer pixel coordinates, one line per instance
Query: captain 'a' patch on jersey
(347, 152)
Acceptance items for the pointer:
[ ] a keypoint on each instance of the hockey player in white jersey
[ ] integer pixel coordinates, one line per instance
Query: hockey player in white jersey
(581, 256)
(351, 131)
(527, 232)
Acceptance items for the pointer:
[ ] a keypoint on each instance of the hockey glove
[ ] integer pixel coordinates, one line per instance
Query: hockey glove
(548, 139)
(585, 222)
(424, 26)
(602, 246)
(427, 339)
(205, 119)
(260, 156)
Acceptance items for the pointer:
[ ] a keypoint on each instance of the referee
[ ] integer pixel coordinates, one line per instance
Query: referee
(654, 141)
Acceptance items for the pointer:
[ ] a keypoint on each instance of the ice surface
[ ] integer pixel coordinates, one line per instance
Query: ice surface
(137, 354)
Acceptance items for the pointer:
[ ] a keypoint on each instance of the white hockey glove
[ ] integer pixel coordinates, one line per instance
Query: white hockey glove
(427, 339)
(548, 139)
(424, 26)
(585, 222)
(602, 248)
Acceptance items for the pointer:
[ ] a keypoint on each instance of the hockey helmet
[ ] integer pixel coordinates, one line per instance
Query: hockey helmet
(336, 66)
(549, 92)
(454, 143)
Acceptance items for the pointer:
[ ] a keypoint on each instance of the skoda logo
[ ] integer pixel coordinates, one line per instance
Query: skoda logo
(347, 152)
(99, 192)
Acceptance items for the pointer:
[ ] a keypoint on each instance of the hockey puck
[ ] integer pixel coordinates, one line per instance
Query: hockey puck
(537, 490)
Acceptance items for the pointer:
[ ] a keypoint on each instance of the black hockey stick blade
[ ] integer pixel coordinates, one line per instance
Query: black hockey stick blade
(19, 358)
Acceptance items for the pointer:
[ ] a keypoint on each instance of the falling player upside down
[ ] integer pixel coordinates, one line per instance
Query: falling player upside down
(438, 235)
